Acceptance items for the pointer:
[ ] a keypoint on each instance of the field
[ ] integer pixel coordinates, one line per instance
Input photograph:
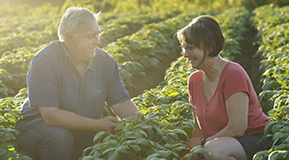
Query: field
(141, 42)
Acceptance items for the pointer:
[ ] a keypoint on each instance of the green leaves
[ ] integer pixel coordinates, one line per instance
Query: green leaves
(9, 114)
(121, 149)
(139, 138)
(272, 26)
(163, 129)
(280, 154)
(198, 149)
(233, 23)
(2, 151)
(274, 47)
(99, 135)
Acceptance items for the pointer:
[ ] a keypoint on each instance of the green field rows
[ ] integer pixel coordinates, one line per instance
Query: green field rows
(138, 42)
(19, 44)
(272, 24)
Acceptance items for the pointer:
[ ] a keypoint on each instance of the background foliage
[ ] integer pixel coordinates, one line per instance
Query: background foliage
(133, 5)
(137, 33)
(272, 22)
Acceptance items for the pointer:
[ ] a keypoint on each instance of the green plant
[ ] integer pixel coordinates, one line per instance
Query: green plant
(145, 137)
(9, 114)
(272, 24)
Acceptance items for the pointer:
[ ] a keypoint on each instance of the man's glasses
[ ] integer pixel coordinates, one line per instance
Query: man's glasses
(189, 48)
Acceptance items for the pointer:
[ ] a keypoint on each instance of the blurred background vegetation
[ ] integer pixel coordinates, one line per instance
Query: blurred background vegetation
(28, 7)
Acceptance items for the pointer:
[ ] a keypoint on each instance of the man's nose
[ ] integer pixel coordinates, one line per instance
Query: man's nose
(96, 41)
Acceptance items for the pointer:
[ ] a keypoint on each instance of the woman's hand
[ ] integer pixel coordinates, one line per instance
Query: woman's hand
(193, 142)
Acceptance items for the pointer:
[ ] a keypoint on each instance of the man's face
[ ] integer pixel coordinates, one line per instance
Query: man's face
(85, 41)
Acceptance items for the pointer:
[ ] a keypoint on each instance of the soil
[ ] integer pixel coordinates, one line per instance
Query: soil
(153, 76)
(250, 63)
(247, 60)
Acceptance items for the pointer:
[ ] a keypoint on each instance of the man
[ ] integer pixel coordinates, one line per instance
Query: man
(69, 82)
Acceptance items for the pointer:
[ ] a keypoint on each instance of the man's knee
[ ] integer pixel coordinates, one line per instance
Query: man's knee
(46, 142)
(58, 143)
(59, 137)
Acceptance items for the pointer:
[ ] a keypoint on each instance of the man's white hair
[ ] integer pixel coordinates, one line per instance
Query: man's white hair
(72, 18)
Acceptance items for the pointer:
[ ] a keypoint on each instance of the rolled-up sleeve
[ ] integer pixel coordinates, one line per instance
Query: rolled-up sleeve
(42, 83)
(116, 90)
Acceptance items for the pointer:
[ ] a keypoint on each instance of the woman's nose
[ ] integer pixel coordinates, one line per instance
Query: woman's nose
(186, 53)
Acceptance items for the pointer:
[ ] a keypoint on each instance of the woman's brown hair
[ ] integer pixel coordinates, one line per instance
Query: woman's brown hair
(205, 33)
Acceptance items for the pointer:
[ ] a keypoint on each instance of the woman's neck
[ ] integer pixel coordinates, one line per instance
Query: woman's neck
(213, 70)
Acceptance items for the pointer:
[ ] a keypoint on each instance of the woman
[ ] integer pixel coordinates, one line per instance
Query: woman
(228, 116)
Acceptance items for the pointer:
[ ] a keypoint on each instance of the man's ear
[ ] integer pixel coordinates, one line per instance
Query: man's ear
(68, 37)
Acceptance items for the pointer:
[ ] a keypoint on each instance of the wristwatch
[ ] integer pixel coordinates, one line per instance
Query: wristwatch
(203, 141)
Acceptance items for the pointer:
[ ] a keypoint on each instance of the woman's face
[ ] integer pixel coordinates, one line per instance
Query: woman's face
(193, 54)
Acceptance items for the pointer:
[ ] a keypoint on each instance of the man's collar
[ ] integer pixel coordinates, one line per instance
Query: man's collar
(68, 56)
(89, 65)
(64, 50)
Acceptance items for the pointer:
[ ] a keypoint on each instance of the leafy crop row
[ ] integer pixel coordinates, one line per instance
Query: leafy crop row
(166, 123)
(30, 31)
(18, 47)
(125, 24)
(145, 48)
(15, 62)
(233, 23)
(22, 37)
(272, 23)
(9, 114)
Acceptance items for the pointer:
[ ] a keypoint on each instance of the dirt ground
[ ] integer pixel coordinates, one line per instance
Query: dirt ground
(246, 59)
(252, 64)
(153, 76)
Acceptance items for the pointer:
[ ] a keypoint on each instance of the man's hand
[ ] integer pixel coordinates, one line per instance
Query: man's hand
(107, 124)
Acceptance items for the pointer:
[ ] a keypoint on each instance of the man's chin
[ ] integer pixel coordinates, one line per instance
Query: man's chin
(91, 55)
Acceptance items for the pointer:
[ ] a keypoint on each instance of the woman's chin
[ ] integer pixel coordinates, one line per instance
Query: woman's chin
(194, 65)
